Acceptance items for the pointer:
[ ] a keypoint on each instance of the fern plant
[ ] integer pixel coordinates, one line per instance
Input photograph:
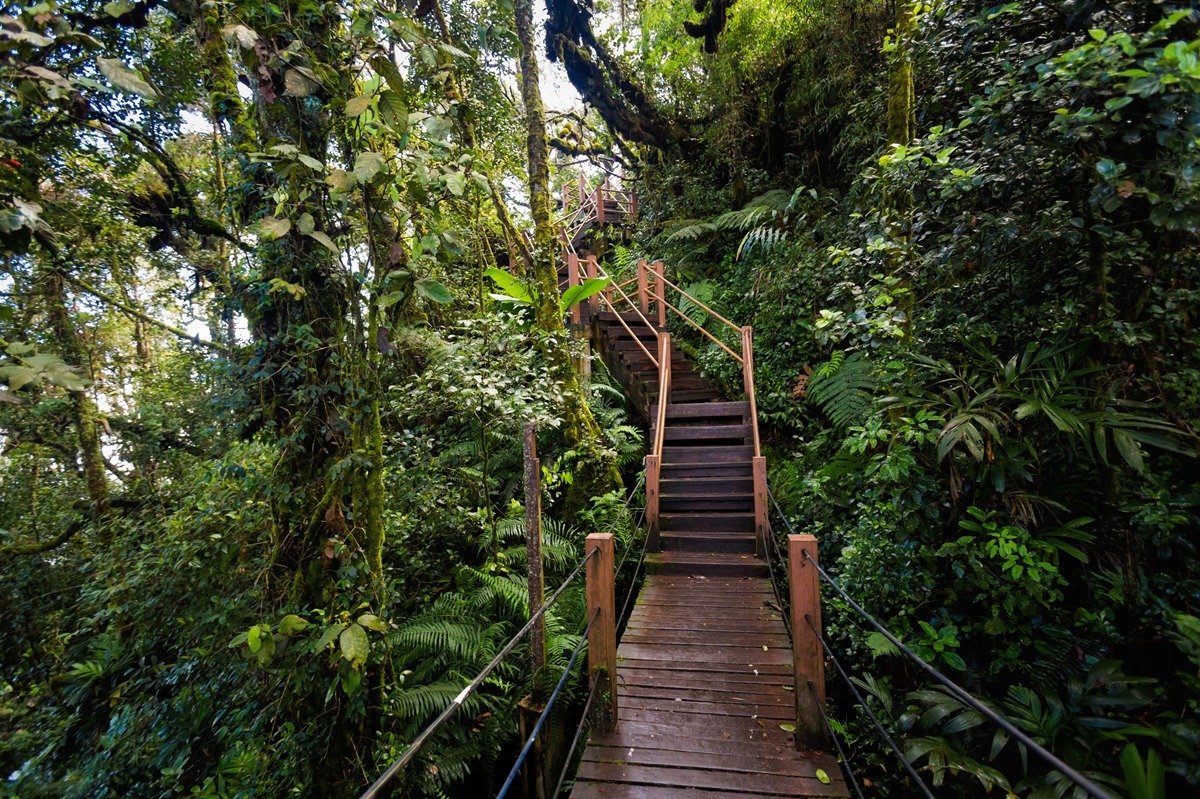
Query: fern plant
(844, 389)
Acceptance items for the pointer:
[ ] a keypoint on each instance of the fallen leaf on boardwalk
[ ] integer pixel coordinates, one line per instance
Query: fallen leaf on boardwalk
(765, 648)
(788, 727)
(822, 776)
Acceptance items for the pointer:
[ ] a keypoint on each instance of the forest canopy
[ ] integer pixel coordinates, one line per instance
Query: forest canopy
(281, 287)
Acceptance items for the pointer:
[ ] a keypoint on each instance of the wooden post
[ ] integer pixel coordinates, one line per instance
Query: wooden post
(643, 297)
(632, 206)
(573, 280)
(653, 470)
(533, 549)
(807, 655)
(602, 640)
(762, 525)
(661, 294)
(600, 205)
(592, 271)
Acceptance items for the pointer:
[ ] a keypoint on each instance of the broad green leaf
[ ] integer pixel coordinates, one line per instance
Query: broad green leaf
(305, 224)
(329, 636)
(456, 182)
(310, 162)
(788, 727)
(1129, 450)
(356, 106)
(372, 622)
(272, 228)
(119, 7)
(354, 645)
(18, 376)
(292, 624)
(822, 776)
(254, 638)
(509, 284)
(432, 289)
(394, 111)
(367, 165)
(385, 68)
(577, 294)
(329, 243)
(125, 78)
(267, 650)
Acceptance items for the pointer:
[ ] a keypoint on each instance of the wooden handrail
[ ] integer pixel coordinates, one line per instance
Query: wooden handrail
(664, 389)
(691, 322)
(748, 383)
(695, 301)
(632, 305)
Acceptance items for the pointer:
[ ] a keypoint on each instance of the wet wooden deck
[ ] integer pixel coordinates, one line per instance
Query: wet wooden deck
(705, 685)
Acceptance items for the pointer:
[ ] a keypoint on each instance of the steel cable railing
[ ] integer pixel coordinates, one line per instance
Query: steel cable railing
(411, 752)
(960, 693)
(545, 714)
(421, 739)
(908, 767)
(837, 742)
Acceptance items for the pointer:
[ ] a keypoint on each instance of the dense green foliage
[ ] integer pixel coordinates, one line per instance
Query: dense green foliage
(261, 509)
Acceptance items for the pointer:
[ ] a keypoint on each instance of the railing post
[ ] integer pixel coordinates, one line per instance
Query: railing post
(592, 272)
(573, 280)
(661, 294)
(807, 654)
(653, 471)
(600, 205)
(602, 639)
(643, 297)
(761, 524)
(632, 206)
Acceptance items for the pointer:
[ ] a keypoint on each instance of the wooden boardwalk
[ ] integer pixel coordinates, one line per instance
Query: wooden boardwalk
(705, 681)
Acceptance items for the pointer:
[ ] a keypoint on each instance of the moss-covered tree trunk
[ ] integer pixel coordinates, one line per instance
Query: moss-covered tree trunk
(901, 129)
(84, 415)
(596, 471)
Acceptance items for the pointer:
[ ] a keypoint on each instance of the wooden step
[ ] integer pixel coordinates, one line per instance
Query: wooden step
(709, 522)
(706, 410)
(708, 564)
(689, 503)
(707, 432)
(706, 485)
(722, 454)
(702, 541)
(724, 470)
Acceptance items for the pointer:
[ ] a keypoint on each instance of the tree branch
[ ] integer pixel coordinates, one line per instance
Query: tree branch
(178, 331)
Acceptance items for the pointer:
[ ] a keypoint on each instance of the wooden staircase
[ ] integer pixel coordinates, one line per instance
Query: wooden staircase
(704, 687)
(706, 482)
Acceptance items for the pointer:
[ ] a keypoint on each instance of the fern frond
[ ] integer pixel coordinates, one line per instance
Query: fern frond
(844, 392)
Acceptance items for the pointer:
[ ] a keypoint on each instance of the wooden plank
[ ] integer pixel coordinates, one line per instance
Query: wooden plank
(678, 742)
(755, 640)
(711, 728)
(742, 762)
(765, 784)
(631, 674)
(749, 656)
(600, 790)
(770, 713)
(764, 695)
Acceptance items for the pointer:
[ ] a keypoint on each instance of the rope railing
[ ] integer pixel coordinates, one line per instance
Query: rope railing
(411, 752)
(960, 693)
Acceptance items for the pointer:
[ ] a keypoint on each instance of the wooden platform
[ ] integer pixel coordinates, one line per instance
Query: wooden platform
(705, 681)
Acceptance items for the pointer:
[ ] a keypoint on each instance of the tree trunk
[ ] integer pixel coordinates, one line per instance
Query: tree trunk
(83, 410)
(596, 471)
